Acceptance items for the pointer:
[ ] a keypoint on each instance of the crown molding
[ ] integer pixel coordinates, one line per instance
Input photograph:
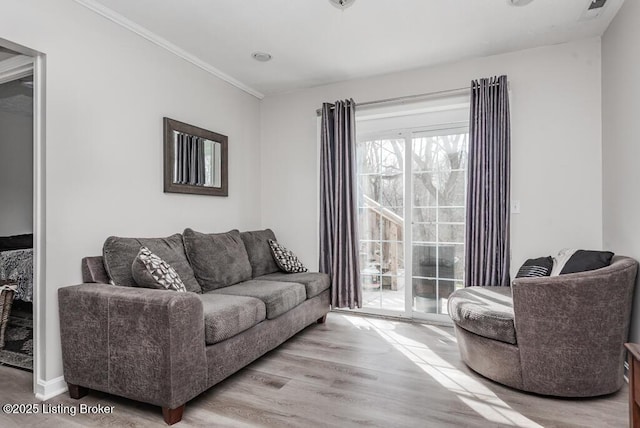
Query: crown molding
(15, 68)
(115, 17)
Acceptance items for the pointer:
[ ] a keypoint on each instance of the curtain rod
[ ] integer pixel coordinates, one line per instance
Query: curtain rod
(400, 100)
(405, 98)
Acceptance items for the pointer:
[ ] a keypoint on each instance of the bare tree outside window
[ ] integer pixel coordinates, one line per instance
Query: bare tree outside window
(438, 198)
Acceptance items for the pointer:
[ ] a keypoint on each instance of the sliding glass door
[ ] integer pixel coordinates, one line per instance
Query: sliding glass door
(411, 206)
(438, 177)
(381, 203)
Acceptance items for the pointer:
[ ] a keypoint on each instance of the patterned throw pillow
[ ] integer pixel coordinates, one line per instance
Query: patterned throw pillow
(150, 271)
(532, 268)
(285, 259)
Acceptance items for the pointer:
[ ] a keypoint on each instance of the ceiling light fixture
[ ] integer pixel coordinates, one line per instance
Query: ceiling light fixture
(342, 4)
(261, 56)
(519, 2)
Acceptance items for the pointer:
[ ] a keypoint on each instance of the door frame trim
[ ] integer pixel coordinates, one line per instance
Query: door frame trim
(33, 62)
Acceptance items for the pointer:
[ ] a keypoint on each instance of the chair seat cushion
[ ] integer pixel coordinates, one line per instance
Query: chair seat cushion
(278, 297)
(225, 316)
(314, 282)
(485, 311)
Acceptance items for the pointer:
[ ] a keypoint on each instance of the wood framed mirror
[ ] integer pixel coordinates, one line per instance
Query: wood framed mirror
(195, 160)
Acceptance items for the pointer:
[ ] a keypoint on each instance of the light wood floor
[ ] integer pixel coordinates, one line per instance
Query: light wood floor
(351, 371)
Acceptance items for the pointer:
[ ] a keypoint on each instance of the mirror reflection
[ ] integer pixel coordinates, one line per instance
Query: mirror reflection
(195, 160)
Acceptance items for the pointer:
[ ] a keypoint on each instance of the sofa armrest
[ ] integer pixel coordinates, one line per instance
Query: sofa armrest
(143, 344)
(574, 323)
(93, 270)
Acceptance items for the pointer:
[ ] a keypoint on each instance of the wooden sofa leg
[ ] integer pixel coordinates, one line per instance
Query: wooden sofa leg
(77, 391)
(171, 416)
(322, 319)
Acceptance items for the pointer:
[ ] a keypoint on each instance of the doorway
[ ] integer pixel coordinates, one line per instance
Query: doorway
(22, 252)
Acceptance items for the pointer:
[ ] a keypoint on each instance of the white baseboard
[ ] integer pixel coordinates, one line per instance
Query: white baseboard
(50, 388)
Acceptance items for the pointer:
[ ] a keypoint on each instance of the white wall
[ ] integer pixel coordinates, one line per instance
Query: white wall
(107, 91)
(621, 139)
(16, 174)
(556, 145)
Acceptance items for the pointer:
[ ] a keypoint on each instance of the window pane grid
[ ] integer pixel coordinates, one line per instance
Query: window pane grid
(429, 171)
(456, 223)
(436, 164)
(438, 196)
(438, 242)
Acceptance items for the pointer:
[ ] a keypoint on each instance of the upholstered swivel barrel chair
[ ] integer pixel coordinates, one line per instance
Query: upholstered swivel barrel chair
(560, 335)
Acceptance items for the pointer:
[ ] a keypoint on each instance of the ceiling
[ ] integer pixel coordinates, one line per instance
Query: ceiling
(314, 43)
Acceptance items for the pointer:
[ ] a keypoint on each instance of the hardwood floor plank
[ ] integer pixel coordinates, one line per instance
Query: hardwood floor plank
(351, 371)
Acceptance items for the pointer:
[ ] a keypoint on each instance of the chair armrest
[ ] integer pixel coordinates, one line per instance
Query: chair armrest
(575, 323)
(143, 344)
(566, 305)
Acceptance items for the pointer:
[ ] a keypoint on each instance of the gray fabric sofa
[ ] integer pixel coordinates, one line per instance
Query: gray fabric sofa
(560, 336)
(165, 347)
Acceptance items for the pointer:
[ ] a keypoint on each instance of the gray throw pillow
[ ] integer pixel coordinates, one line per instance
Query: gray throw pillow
(150, 271)
(286, 260)
(218, 259)
(586, 260)
(119, 254)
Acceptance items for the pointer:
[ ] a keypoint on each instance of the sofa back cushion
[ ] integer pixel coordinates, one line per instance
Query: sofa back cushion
(257, 244)
(119, 254)
(218, 259)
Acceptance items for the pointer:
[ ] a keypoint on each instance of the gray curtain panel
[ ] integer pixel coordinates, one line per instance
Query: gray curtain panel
(179, 178)
(190, 167)
(201, 176)
(193, 160)
(185, 160)
(338, 215)
(488, 194)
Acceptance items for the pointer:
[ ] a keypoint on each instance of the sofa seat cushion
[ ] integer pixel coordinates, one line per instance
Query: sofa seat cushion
(485, 311)
(278, 297)
(225, 316)
(314, 282)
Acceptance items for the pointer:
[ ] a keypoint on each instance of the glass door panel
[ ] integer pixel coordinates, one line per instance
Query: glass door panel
(370, 273)
(438, 200)
(427, 172)
(381, 221)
